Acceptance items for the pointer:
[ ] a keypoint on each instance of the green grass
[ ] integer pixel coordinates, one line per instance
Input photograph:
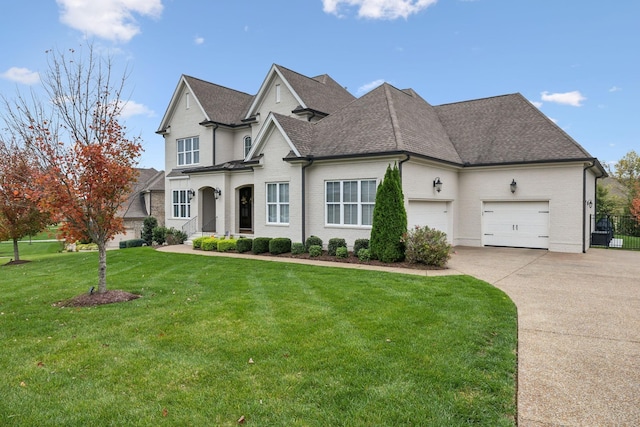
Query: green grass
(51, 233)
(330, 346)
(629, 242)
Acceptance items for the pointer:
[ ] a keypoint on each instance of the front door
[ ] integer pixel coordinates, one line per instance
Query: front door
(245, 198)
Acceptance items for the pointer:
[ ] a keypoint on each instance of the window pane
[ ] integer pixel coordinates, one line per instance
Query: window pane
(368, 193)
(188, 158)
(350, 191)
(181, 159)
(284, 213)
(350, 214)
(196, 157)
(176, 211)
(333, 192)
(367, 214)
(284, 193)
(196, 143)
(272, 213)
(183, 196)
(187, 144)
(271, 193)
(180, 146)
(333, 214)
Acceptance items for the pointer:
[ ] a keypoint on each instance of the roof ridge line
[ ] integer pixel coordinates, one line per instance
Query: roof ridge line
(394, 118)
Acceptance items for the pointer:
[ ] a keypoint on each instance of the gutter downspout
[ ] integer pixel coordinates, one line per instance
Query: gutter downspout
(215, 127)
(304, 198)
(400, 165)
(584, 206)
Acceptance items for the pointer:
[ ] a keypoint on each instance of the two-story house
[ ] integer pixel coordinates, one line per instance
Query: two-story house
(304, 157)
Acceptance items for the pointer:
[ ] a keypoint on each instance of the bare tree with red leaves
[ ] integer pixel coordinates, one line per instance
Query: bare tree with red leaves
(87, 163)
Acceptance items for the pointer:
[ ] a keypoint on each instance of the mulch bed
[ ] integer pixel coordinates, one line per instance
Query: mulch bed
(90, 300)
(12, 262)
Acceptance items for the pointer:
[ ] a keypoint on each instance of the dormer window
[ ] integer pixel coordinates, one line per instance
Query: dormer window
(247, 145)
(277, 94)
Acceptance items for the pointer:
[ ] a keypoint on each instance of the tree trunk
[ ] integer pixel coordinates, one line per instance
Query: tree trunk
(16, 253)
(102, 267)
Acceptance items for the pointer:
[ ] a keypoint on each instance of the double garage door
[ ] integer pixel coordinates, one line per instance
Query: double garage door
(516, 224)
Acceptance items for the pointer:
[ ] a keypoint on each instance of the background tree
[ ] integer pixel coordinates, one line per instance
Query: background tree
(389, 219)
(608, 203)
(88, 177)
(20, 215)
(627, 172)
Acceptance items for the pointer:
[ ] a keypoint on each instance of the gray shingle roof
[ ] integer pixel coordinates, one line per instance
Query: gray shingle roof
(221, 104)
(506, 129)
(148, 180)
(320, 93)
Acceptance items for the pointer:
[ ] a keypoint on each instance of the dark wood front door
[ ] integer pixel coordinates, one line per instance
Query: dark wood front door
(246, 209)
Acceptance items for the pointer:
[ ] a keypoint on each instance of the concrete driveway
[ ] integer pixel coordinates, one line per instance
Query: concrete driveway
(579, 331)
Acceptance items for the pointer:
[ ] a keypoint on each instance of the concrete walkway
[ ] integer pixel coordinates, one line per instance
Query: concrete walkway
(579, 329)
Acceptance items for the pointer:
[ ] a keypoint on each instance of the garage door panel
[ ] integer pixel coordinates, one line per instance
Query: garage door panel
(432, 214)
(518, 224)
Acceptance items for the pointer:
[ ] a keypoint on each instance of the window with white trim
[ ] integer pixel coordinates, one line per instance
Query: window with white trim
(181, 204)
(188, 151)
(278, 203)
(247, 145)
(350, 202)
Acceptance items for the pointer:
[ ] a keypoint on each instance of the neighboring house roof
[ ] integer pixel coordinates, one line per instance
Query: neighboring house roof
(148, 180)
(506, 129)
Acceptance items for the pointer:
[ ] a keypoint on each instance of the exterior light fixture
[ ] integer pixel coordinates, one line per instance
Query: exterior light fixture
(191, 193)
(590, 203)
(217, 193)
(437, 184)
(513, 185)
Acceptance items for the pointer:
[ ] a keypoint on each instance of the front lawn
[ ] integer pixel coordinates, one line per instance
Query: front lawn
(214, 339)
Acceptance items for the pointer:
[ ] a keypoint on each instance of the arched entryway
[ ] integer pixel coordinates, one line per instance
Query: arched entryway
(245, 209)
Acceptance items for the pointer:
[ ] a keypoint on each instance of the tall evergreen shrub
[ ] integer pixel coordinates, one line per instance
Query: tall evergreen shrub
(389, 219)
(147, 229)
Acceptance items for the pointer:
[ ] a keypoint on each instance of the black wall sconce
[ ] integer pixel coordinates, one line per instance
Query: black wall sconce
(437, 184)
(513, 185)
(191, 193)
(217, 193)
(590, 203)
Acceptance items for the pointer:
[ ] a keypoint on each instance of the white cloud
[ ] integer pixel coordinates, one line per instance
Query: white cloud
(574, 98)
(198, 40)
(615, 89)
(108, 19)
(368, 86)
(21, 75)
(378, 9)
(132, 108)
(537, 104)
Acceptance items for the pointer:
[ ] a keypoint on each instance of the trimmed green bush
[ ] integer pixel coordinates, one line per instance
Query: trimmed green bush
(364, 255)
(334, 244)
(244, 245)
(133, 243)
(342, 252)
(209, 244)
(279, 245)
(226, 245)
(312, 240)
(315, 250)
(389, 219)
(197, 242)
(360, 244)
(297, 248)
(147, 229)
(260, 245)
(428, 246)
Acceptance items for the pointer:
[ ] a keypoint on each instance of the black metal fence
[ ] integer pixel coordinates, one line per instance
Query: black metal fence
(615, 231)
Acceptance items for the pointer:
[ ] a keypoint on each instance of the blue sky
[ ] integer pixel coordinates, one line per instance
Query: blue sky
(578, 61)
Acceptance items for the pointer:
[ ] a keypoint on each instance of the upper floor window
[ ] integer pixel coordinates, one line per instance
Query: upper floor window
(188, 151)
(247, 145)
(277, 93)
(278, 203)
(350, 202)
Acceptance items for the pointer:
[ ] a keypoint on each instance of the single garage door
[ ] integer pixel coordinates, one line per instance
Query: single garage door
(433, 214)
(516, 224)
